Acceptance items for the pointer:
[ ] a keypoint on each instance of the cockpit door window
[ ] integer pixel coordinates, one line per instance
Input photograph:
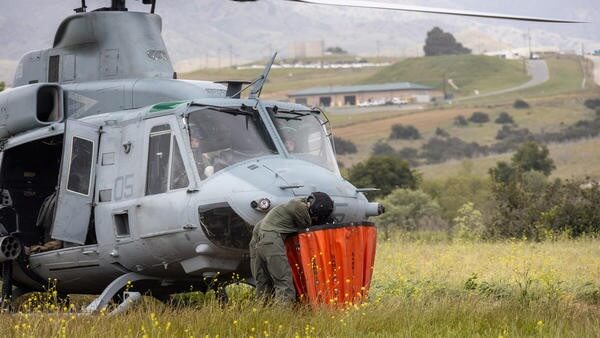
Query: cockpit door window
(159, 148)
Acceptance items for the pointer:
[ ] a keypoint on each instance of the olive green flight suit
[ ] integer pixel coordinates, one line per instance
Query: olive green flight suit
(268, 259)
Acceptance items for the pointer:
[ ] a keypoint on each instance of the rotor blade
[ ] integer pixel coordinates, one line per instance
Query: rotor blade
(421, 9)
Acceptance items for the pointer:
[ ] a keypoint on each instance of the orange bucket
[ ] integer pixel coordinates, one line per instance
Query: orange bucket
(333, 264)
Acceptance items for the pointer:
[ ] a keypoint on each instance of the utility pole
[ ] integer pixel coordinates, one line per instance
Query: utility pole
(230, 56)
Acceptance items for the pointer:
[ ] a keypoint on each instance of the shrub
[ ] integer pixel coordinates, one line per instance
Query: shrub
(453, 192)
(520, 104)
(528, 209)
(460, 121)
(438, 150)
(2, 86)
(441, 132)
(384, 172)
(402, 132)
(407, 210)
(592, 103)
(344, 146)
(504, 118)
(479, 117)
(382, 148)
(468, 224)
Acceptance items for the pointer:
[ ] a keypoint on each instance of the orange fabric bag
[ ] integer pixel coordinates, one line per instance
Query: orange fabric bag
(333, 264)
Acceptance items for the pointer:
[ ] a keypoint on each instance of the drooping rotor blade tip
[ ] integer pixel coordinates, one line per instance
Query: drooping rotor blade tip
(433, 10)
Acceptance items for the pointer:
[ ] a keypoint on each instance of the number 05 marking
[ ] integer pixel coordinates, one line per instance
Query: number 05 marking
(123, 187)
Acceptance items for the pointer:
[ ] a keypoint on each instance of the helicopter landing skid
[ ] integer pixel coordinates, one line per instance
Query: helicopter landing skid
(114, 288)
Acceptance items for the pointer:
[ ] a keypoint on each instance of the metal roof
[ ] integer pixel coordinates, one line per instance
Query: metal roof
(383, 87)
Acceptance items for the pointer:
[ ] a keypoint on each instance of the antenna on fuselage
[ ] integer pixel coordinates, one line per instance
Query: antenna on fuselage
(81, 9)
(150, 2)
(258, 83)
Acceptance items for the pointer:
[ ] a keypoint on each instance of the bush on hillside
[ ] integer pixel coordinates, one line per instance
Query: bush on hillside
(504, 118)
(460, 121)
(479, 117)
(344, 146)
(520, 104)
(403, 132)
(438, 150)
(382, 148)
(441, 132)
(592, 103)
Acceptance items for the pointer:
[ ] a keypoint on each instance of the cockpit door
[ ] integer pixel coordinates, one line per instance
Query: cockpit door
(76, 185)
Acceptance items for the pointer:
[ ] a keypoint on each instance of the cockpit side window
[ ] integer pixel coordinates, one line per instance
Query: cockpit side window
(159, 147)
(179, 178)
(304, 137)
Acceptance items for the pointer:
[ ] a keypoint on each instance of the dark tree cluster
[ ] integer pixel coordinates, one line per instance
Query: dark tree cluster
(592, 103)
(504, 118)
(479, 117)
(402, 132)
(520, 104)
(408, 154)
(461, 121)
(438, 150)
(343, 147)
(441, 132)
(439, 42)
(2, 86)
(385, 173)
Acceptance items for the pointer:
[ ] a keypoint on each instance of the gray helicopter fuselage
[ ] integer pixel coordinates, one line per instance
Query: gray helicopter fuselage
(102, 117)
(170, 234)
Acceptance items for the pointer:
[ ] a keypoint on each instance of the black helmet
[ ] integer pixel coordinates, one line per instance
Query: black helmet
(321, 207)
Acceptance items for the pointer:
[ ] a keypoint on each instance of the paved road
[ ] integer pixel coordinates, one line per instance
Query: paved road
(596, 60)
(537, 69)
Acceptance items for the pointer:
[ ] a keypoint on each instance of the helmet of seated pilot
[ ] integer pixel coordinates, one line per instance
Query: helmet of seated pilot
(321, 207)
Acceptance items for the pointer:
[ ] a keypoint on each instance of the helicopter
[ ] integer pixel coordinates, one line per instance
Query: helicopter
(117, 175)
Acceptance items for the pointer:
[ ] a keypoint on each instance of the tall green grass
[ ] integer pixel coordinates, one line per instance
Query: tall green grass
(424, 286)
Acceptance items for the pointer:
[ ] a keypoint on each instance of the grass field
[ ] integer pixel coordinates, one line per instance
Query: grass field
(577, 159)
(468, 72)
(421, 288)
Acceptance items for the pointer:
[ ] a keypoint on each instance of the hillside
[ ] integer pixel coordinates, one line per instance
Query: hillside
(468, 73)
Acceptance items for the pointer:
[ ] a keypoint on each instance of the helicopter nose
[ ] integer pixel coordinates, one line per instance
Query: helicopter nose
(251, 189)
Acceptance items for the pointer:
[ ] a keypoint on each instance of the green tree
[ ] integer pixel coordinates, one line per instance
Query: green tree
(384, 172)
(406, 209)
(439, 42)
(533, 156)
(2, 86)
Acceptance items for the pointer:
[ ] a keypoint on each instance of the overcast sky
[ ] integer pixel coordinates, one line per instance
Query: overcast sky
(205, 29)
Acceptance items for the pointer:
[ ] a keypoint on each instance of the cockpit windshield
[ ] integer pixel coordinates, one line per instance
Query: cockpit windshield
(221, 137)
(304, 137)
